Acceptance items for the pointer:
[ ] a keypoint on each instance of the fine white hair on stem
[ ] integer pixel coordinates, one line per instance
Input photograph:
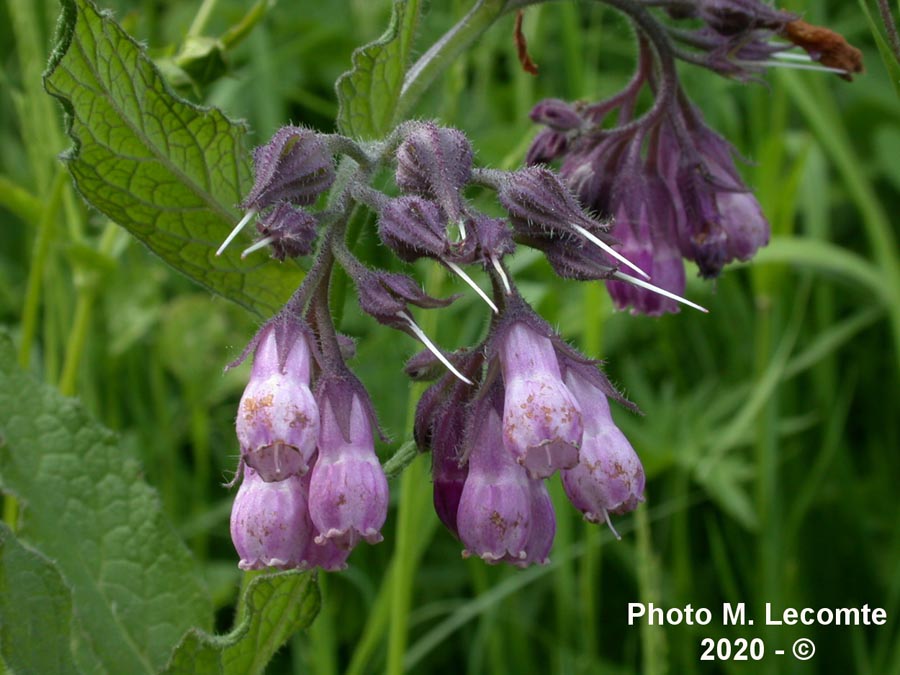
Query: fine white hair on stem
(237, 228)
(502, 273)
(419, 333)
(475, 287)
(656, 289)
(256, 246)
(606, 247)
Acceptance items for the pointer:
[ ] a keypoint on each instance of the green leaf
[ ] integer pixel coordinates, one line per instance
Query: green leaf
(135, 586)
(273, 607)
(369, 91)
(35, 611)
(166, 170)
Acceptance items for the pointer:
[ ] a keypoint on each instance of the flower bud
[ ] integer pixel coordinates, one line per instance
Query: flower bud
(293, 167)
(270, 525)
(436, 163)
(348, 491)
(556, 114)
(291, 232)
(413, 227)
(542, 423)
(609, 477)
(278, 421)
(494, 513)
(546, 146)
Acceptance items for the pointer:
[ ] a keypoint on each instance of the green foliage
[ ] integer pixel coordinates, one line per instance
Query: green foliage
(273, 607)
(135, 587)
(368, 93)
(166, 170)
(35, 611)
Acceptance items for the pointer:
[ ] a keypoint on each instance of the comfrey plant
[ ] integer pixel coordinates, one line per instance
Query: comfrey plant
(635, 194)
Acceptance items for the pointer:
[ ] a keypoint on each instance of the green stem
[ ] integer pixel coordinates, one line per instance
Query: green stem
(443, 52)
(234, 35)
(653, 638)
(198, 25)
(36, 272)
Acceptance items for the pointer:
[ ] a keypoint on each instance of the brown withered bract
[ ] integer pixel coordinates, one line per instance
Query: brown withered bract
(832, 48)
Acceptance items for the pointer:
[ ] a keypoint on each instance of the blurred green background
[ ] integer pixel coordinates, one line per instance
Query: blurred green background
(770, 434)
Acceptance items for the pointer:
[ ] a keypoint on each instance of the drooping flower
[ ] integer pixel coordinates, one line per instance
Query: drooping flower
(609, 477)
(494, 515)
(348, 491)
(270, 525)
(278, 420)
(542, 421)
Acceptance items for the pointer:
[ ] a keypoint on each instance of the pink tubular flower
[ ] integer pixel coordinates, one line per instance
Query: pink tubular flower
(494, 514)
(542, 424)
(278, 421)
(348, 491)
(609, 477)
(270, 525)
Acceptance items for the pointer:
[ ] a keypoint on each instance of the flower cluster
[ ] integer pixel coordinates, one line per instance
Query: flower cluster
(502, 417)
(312, 485)
(667, 180)
(539, 407)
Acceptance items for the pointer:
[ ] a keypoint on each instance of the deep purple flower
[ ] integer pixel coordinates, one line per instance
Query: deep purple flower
(546, 146)
(494, 513)
(609, 477)
(294, 167)
(270, 525)
(730, 17)
(542, 424)
(644, 224)
(386, 296)
(278, 420)
(348, 491)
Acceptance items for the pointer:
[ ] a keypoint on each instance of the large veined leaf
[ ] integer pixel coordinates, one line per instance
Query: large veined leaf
(273, 607)
(168, 171)
(368, 93)
(35, 611)
(136, 589)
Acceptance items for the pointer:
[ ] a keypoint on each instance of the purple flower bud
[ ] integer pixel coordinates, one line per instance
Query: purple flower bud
(542, 423)
(348, 491)
(413, 227)
(556, 114)
(435, 162)
(278, 421)
(543, 526)
(546, 146)
(270, 525)
(290, 231)
(385, 296)
(494, 513)
(609, 477)
(294, 167)
(541, 204)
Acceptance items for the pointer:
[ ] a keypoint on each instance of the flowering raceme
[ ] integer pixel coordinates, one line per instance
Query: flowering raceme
(630, 201)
